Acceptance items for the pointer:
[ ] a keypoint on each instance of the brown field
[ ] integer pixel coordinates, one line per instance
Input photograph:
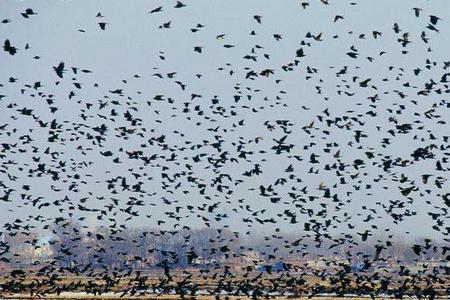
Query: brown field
(175, 297)
(74, 287)
(71, 296)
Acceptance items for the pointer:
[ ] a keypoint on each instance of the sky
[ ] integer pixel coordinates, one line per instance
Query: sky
(133, 44)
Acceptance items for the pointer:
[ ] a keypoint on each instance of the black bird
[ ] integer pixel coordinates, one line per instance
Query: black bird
(28, 12)
(102, 25)
(9, 48)
(59, 70)
(157, 9)
(434, 19)
(179, 4)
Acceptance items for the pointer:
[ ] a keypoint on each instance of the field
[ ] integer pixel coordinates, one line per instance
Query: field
(156, 286)
(76, 296)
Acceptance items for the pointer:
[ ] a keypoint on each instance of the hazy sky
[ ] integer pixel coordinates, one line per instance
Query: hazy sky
(132, 44)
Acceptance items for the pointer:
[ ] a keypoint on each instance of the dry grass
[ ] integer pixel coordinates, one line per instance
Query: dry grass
(175, 297)
(75, 287)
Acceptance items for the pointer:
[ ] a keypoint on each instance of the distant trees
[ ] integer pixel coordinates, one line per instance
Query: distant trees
(76, 249)
(17, 249)
(138, 248)
(67, 245)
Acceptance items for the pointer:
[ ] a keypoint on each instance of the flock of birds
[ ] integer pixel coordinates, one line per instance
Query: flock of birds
(365, 153)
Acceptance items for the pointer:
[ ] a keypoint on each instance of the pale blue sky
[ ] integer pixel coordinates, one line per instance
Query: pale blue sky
(131, 44)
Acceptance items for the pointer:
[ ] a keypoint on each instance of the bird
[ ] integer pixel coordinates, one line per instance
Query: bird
(59, 70)
(102, 25)
(156, 10)
(337, 18)
(9, 48)
(179, 4)
(417, 11)
(434, 19)
(28, 12)
(257, 18)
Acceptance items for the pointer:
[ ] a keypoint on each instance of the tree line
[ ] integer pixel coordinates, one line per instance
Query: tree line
(70, 245)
